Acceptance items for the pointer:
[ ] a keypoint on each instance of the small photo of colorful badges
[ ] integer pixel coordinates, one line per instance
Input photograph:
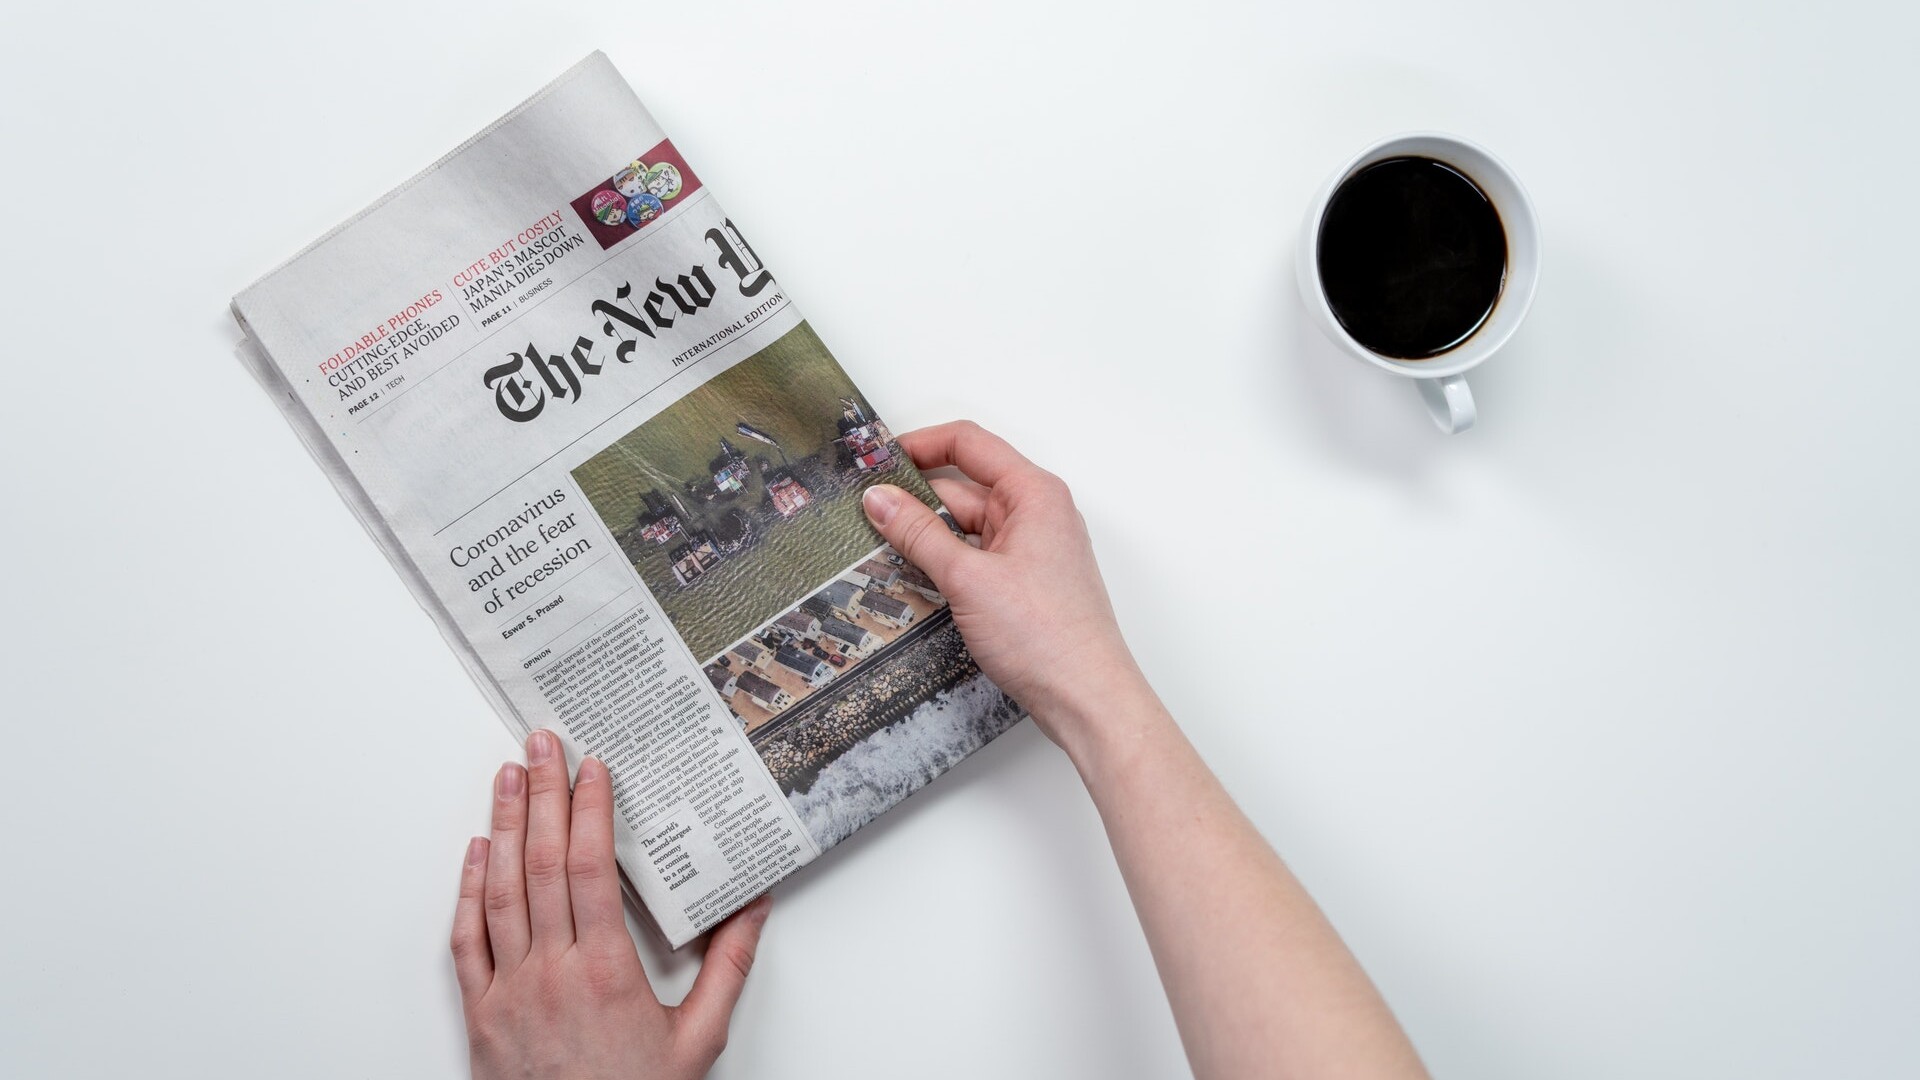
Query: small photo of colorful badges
(609, 207)
(642, 192)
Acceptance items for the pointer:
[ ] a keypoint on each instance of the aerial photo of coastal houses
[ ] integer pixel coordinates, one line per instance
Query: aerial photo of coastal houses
(739, 507)
(860, 694)
(826, 638)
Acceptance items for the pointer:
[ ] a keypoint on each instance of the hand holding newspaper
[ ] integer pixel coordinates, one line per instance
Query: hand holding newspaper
(580, 416)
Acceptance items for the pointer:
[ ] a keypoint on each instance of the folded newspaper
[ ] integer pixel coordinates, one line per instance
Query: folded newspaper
(587, 426)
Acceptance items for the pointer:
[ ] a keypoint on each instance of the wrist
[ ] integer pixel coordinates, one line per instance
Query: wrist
(1103, 717)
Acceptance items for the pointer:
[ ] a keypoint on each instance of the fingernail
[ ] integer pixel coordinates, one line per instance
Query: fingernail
(880, 502)
(476, 851)
(513, 780)
(539, 747)
(590, 770)
(757, 911)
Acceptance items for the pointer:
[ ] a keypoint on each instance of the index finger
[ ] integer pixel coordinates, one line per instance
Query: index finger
(966, 446)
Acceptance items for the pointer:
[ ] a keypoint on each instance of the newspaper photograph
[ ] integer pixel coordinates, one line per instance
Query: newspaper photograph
(586, 425)
(820, 643)
(743, 494)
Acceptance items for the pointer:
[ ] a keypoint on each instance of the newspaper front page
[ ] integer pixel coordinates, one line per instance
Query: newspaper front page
(586, 424)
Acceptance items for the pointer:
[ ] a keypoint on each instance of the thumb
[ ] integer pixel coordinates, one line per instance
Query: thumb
(723, 974)
(917, 533)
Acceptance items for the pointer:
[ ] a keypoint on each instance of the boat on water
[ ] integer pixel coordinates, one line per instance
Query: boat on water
(752, 432)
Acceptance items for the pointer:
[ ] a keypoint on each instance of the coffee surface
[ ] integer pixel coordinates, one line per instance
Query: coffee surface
(1412, 257)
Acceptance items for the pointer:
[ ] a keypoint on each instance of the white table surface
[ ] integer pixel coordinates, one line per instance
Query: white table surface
(1592, 729)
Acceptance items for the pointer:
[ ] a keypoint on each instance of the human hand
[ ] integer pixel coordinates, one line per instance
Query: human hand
(1029, 600)
(549, 979)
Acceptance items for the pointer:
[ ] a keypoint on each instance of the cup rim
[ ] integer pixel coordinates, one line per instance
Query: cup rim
(1478, 346)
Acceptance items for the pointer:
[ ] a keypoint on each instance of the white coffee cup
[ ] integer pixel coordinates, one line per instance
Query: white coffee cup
(1442, 379)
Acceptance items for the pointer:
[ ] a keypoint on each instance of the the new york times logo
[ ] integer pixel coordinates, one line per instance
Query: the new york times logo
(521, 395)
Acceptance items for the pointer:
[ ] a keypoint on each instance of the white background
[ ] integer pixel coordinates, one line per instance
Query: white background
(1593, 729)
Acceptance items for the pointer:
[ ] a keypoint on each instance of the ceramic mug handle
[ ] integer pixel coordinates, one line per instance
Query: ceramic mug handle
(1449, 402)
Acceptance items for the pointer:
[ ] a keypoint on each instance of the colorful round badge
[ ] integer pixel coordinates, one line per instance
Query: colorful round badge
(631, 180)
(643, 208)
(609, 208)
(663, 181)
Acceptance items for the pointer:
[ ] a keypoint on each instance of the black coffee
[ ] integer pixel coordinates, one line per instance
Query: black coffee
(1412, 257)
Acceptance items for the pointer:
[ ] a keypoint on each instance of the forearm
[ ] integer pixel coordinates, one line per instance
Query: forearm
(1259, 982)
